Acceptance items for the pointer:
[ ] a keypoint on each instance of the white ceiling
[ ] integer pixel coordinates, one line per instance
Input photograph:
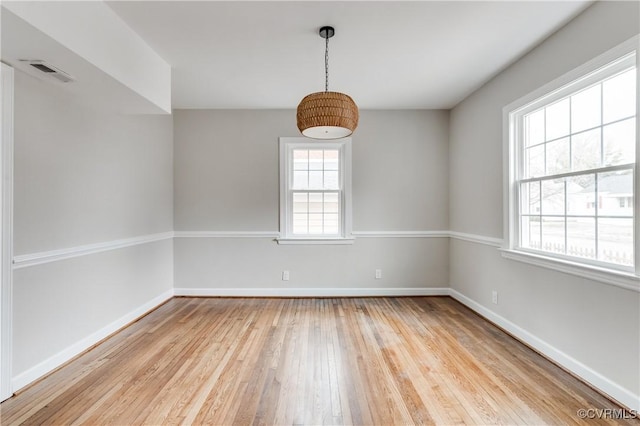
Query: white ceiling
(267, 54)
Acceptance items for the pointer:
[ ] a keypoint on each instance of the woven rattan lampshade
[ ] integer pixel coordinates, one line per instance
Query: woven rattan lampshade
(327, 115)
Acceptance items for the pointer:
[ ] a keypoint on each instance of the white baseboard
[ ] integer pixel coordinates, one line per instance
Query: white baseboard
(50, 364)
(311, 292)
(587, 374)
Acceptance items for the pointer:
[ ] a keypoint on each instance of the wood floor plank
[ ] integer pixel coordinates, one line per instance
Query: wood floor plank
(418, 360)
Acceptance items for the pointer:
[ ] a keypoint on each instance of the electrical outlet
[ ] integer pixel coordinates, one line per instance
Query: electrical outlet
(494, 297)
(285, 275)
(378, 274)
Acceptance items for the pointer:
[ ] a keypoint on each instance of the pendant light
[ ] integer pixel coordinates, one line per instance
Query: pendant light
(327, 115)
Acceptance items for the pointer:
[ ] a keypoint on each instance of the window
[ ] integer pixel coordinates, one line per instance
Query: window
(571, 166)
(315, 183)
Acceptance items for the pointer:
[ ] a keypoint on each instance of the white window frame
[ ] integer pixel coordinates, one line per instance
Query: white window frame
(605, 64)
(287, 145)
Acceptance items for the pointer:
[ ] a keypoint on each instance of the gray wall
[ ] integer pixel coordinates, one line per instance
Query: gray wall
(84, 176)
(226, 180)
(595, 323)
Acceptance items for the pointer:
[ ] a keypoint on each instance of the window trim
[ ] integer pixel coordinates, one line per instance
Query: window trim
(588, 73)
(287, 144)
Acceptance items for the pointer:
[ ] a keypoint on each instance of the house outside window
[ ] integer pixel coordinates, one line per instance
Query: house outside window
(571, 155)
(315, 191)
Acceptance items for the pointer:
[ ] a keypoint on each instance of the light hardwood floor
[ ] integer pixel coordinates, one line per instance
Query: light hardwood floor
(387, 361)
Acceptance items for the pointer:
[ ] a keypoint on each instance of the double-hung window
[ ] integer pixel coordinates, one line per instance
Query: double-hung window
(572, 166)
(315, 183)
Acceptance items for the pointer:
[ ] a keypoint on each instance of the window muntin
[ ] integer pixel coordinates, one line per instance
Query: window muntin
(315, 189)
(575, 169)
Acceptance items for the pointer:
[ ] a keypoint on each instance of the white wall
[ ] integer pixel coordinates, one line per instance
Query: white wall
(592, 323)
(84, 177)
(226, 180)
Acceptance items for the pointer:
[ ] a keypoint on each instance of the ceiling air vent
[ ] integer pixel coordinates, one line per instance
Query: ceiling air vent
(49, 69)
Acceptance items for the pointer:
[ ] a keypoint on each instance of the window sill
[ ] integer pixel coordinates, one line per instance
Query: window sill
(626, 280)
(311, 241)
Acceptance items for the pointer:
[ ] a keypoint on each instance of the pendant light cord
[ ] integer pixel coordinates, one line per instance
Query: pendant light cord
(326, 65)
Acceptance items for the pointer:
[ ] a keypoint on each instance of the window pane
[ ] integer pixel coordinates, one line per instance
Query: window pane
(331, 203)
(614, 189)
(581, 237)
(585, 109)
(300, 159)
(581, 195)
(315, 223)
(331, 180)
(534, 128)
(331, 224)
(315, 179)
(553, 234)
(530, 232)
(315, 159)
(300, 223)
(300, 179)
(619, 96)
(553, 197)
(535, 161)
(300, 203)
(530, 196)
(615, 241)
(585, 150)
(331, 159)
(316, 213)
(558, 156)
(557, 116)
(315, 203)
(620, 142)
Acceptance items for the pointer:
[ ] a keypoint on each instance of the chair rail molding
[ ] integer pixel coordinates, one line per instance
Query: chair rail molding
(27, 260)
(475, 238)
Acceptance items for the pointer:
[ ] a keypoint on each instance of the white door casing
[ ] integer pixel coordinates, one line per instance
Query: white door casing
(6, 227)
